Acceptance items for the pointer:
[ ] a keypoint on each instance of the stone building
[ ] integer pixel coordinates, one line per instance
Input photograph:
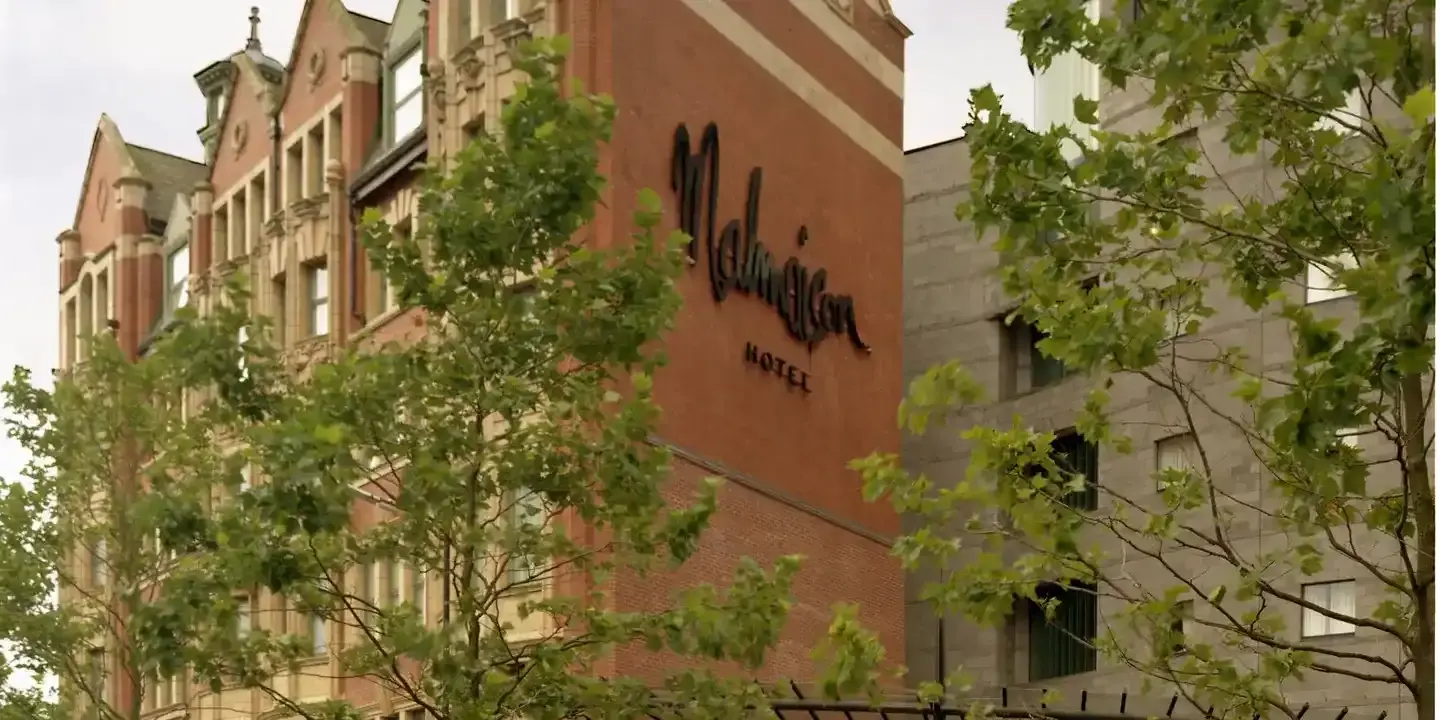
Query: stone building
(295, 148)
(955, 309)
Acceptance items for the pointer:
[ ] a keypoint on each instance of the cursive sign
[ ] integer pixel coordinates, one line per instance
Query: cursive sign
(738, 260)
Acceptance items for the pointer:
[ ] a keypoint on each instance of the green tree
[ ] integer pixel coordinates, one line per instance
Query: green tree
(1131, 253)
(83, 542)
(381, 516)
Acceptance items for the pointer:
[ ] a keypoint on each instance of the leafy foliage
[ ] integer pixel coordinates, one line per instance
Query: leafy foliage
(1142, 257)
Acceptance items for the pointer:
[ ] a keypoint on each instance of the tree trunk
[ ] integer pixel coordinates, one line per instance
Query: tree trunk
(1422, 506)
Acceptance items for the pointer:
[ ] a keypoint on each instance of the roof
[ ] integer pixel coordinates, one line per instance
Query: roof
(374, 30)
(169, 175)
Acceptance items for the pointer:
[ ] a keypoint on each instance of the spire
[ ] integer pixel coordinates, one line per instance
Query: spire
(254, 42)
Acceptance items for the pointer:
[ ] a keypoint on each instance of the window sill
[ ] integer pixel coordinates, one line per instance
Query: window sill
(1324, 301)
(1327, 637)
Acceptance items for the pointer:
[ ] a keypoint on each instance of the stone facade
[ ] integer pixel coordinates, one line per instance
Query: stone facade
(808, 89)
(953, 306)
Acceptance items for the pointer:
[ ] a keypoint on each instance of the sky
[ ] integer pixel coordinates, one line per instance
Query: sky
(135, 61)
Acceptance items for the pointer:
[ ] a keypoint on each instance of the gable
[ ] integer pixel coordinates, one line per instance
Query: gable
(326, 30)
(243, 137)
(97, 215)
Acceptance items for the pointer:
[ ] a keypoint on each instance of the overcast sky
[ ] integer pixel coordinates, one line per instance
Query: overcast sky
(135, 61)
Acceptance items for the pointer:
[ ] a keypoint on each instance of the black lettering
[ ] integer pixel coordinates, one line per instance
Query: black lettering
(793, 377)
(738, 259)
(752, 353)
(805, 381)
(765, 361)
(780, 367)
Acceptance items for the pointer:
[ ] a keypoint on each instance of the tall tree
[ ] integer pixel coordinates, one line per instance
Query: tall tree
(81, 542)
(439, 521)
(1132, 252)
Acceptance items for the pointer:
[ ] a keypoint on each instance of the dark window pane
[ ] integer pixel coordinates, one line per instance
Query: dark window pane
(1063, 645)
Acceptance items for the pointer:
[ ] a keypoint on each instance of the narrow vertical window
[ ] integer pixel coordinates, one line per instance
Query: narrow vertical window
(407, 109)
(319, 307)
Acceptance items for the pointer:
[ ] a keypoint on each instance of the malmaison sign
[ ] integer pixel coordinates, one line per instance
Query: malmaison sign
(737, 259)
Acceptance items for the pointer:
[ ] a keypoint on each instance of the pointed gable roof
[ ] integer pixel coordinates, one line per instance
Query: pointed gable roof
(259, 77)
(105, 130)
(169, 176)
(357, 30)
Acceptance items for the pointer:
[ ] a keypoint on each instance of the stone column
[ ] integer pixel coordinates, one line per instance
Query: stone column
(340, 259)
(202, 204)
(70, 257)
(150, 265)
(130, 192)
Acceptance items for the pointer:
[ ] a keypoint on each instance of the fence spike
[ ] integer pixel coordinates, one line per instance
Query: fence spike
(1084, 697)
(1303, 709)
(1171, 710)
(1343, 712)
(1124, 695)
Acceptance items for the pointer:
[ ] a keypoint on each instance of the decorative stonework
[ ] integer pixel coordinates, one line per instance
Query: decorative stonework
(438, 98)
(470, 64)
(843, 8)
(239, 135)
(102, 197)
(315, 68)
(512, 32)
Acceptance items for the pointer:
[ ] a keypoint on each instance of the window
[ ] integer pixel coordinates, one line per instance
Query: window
(463, 31)
(1063, 644)
(1182, 619)
(220, 231)
(102, 300)
(317, 634)
(256, 202)
(1075, 455)
(245, 478)
(1354, 114)
(1350, 437)
(527, 513)
(242, 616)
(407, 111)
(278, 310)
(177, 279)
(240, 214)
(177, 687)
(98, 564)
(1337, 597)
(319, 308)
(417, 592)
(418, 714)
(315, 160)
(295, 172)
(1321, 285)
(1177, 452)
(1028, 368)
(72, 331)
(241, 337)
(95, 678)
(502, 10)
(394, 582)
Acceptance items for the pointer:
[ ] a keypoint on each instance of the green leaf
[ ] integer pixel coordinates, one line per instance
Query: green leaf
(1420, 106)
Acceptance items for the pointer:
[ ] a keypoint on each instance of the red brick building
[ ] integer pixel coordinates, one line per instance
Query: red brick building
(771, 395)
